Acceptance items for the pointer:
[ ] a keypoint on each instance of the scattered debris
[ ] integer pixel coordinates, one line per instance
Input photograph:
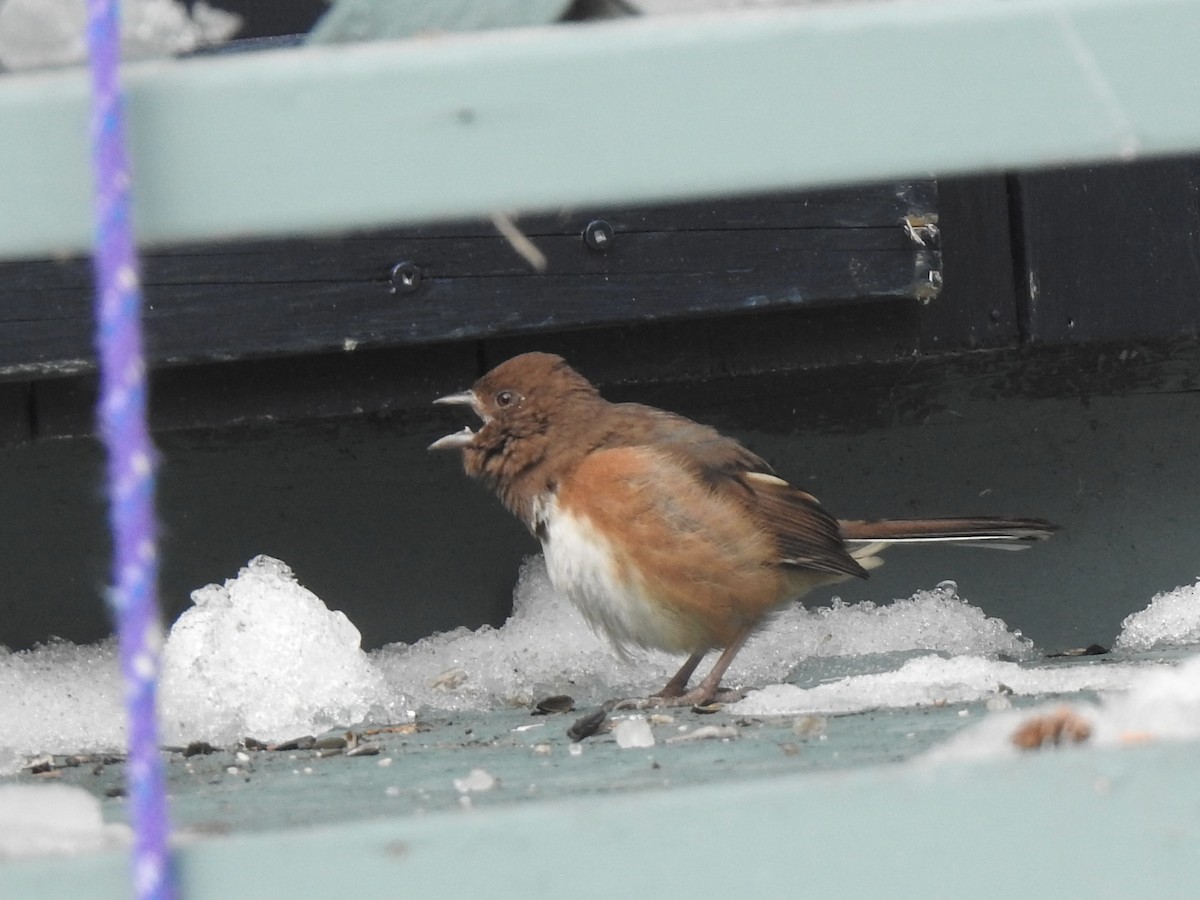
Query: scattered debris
(335, 740)
(402, 728)
(450, 680)
(519, 241)
(50, 763)
(198, 748)
(630, 703)
(586, 726)
(476, 780)
(396, 849)
(1089, 650)
(633, 732)
(1064, 724)
(39, 765)
(300, 743)
(551, 706)
(706, 733)
(807, 727)
(1136, 737)
(998, 703)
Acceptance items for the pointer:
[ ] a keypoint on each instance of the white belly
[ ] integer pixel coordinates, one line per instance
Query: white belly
(580, 563)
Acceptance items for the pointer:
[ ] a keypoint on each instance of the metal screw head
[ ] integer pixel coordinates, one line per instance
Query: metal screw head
(599, 235)
(406, 277)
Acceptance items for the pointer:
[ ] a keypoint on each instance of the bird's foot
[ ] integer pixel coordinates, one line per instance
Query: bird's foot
(697, 697)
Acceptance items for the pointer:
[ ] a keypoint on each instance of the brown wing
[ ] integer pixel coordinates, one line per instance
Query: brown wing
(700, 448)
(806, 535)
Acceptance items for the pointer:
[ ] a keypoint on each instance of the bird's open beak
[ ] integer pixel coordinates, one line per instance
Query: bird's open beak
(458, 439)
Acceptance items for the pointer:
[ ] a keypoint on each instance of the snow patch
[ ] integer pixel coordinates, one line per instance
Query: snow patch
(1171, 620)
(262, 656)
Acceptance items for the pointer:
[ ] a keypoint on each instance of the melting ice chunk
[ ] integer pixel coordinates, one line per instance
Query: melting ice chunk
(1171, 620)
(259, 655)
(263, 656)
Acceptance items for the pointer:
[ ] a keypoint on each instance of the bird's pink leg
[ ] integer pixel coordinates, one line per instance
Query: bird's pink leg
(706, 691)
(679, 680)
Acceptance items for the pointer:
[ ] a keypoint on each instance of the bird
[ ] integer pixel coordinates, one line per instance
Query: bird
(663, 532)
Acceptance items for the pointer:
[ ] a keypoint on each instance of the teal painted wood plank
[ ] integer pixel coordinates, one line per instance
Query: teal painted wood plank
(1071, 823)
(374, 20)
(322, 139)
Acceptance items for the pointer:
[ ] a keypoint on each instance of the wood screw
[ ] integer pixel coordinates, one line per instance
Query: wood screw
(405, 277)
(599, 235)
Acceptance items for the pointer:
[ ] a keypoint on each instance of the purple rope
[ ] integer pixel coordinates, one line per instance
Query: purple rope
(122, 417)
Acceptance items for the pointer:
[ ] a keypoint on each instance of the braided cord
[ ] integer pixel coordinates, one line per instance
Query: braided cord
(131, 459)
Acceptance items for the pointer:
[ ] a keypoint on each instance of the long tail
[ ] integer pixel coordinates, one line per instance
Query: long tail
(866, 539)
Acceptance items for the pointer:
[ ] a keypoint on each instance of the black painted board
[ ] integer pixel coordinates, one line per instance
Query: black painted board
(977, 307)
(399, 382)
(703, 349)
(15, 424)
(1111, 252)
(255, 299)
(816, 258)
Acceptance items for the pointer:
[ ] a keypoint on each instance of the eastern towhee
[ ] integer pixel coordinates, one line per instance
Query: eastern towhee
(664, 532)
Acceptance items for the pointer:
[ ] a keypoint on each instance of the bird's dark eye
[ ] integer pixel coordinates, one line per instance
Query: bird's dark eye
(505, 398)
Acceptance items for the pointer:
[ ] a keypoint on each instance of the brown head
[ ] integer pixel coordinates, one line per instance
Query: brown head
(534, 409)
